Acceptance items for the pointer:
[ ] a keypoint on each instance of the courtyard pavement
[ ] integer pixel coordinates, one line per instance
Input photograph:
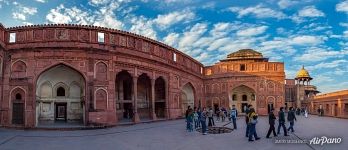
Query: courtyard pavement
(171, 135)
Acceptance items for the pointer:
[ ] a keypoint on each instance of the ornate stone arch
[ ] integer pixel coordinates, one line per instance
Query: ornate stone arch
(101, 70)
(17, 104)
(101, 99)
(18, 69)
(18, 66)
(62, 85)
(15, 90)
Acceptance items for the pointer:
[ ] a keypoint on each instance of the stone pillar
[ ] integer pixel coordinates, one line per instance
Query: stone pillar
(153, 113)
(167, 110)
(136, 118)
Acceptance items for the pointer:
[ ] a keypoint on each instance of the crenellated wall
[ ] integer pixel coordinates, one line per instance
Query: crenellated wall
(85, 37)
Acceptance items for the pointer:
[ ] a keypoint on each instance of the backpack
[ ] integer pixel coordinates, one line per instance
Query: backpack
(233, 113)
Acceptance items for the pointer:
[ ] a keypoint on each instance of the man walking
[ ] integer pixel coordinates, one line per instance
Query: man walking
(187, 118)
(203, 118)
(281, 119)
(234, 114)
(271, 121)
(247, 120)
(291, 119)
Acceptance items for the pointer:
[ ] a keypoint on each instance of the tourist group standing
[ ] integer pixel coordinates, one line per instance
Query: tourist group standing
(197, 118)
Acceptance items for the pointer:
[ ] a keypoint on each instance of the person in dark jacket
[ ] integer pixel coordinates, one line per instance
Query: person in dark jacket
(247, 120)
(291, 119)
(271, 121)
(281, 120)
(187, 118)
(203, 117)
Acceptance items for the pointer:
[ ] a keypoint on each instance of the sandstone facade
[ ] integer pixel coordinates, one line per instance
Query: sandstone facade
(97, 75)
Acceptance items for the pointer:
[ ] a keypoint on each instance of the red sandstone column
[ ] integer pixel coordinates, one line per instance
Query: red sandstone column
(167, 115)
(153, 114)
(136, 118)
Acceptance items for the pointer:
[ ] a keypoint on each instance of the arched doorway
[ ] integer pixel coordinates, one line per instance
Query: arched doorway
(187, 97)
(17, 97)
(124, 96)
(242, 96)
(160, 97)
(59, 94)
(144, 97)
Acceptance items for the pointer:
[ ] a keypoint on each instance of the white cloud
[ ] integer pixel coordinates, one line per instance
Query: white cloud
(67, 15)
(286, 3)
(98, 2)
(258, 11)
(41, 1)
(18, 16)
(306, 40)
(4, 2)
(192, 35)
(104, 16)
(253, 31)
(342, 6)
(143, 26)
(326, 65)
(165, 21)
(171, 39)
(343, 24)
(315, 54)
(222, 29)
(22, 12)
(310, 11)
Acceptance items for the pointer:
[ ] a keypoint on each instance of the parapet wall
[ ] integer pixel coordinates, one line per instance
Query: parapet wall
(83, 36)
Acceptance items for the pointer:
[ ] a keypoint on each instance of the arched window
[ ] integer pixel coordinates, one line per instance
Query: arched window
(18, 96)
(60, 91)
(244, 98)
(234, 97)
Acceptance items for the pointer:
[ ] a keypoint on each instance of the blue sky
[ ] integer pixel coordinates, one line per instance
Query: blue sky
(313, 33)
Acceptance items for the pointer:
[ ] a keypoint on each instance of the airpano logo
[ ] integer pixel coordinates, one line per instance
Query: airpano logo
(325, 140)
(314, 141)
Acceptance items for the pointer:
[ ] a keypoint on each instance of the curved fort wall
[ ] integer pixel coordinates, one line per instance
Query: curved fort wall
(95, 75)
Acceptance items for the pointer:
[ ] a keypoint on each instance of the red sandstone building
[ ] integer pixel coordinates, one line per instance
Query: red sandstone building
(334, 104)
(95, 75)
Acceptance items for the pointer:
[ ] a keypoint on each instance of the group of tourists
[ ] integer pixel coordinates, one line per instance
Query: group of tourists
(197, 117)
(303, 111)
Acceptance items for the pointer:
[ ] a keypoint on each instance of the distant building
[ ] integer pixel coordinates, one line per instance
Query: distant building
(245, 77)
(334, 104)
(299, 91)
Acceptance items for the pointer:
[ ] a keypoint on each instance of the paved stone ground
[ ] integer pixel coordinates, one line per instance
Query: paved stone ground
(171, 135)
